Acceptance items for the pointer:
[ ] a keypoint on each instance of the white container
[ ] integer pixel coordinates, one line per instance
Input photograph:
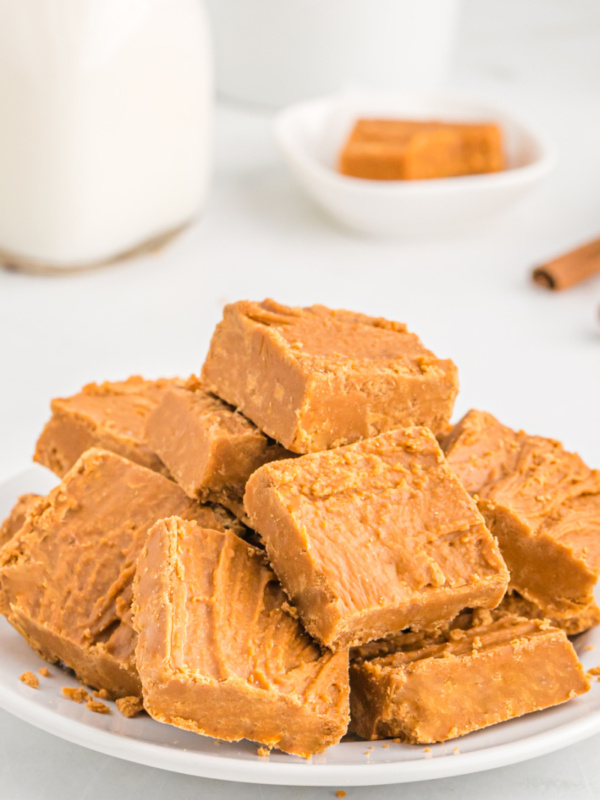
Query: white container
(275, 52)
(312, 134)
(105, 112)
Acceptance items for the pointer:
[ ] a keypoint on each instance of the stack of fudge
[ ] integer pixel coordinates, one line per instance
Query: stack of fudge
(298, 542)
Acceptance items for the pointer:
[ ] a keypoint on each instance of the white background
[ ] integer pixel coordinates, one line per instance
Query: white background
(529, 356)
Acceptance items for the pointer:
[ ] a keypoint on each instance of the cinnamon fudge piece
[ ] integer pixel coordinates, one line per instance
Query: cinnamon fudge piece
(430, 691)
(15, 520)
(543, 505)
(111, 416)
(313, 378)
(219, 654)
(374, 537)
(393, 150)
(209, 448)
(65, 578)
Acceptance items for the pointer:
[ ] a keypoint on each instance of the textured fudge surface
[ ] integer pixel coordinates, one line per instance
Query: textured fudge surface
(108, 415)
(375, 536)
(385, 149)
(65, 578)
(513, 603)
(16, 518)
(542, 503)
(218, 653)
(313, 378)
(209, 448)
(431, 690)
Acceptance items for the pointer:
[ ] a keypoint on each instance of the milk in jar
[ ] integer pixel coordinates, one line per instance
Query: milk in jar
(105, 115)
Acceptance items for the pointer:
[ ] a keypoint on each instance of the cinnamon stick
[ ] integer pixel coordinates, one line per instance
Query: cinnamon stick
(570, 268)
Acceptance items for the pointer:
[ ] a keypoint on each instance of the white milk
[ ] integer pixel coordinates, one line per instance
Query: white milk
(104, 126)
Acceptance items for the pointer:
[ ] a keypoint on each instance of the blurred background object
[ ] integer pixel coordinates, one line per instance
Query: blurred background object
(104, 141)
(569, 268)
(311, 136)
(273, 52)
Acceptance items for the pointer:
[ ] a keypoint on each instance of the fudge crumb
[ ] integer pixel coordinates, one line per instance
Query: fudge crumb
(340, 793)
(385, 746)
(76, 694)
(456, 751)
(44, 672)
(589, 647)
(130, 706)
(102, 694)
(97, 707)
(29, 679)
(396, 741)
(263, 752)
(428, 749)
(594, 671)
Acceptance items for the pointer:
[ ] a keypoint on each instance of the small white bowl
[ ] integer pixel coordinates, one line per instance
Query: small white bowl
(312, 134)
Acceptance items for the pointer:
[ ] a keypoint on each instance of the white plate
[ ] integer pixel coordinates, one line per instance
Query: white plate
(311, 135)
(353, 763)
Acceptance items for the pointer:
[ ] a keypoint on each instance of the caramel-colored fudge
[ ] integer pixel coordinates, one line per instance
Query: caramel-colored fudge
(394, 150)
(65, 578)
(433, 690)
(209, 448)
(111, 416)
(313, 378)
(516, 605)
(15, 520)
(543, 505)
(374, 537)
(219, 654)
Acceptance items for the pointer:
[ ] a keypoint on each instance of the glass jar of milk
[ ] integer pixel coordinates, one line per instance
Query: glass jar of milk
(105, 110)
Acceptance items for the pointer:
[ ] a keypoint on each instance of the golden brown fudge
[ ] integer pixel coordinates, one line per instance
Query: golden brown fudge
(543, 505)
(393, 150)
(433, 690)
(219, 654)
(111, 416)
(16, 518)
(516, 605)
(374, 537)
(313, 378)
(65, 578)
(209, 448)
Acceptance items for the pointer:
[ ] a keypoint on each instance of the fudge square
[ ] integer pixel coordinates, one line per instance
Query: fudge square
(313, 378)
(209, 448)
(543, 505)
(111, 416)
(374, 537)
(219, 654)
(387, 149)
(65, 578)
(438, 688)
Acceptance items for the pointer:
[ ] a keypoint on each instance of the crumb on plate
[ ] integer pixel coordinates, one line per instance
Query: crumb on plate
(29, 679)
(97, 707)
(76, 693)
(130, 706)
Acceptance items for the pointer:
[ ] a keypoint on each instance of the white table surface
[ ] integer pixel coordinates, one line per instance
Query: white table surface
(529, 356)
